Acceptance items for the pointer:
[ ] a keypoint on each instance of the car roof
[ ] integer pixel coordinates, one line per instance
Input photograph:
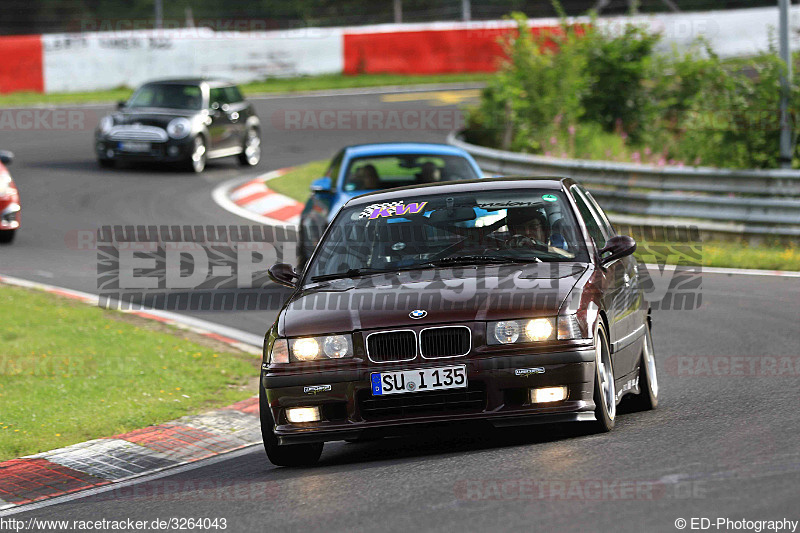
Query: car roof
(212, 82)
(513, 182)
(389, 148)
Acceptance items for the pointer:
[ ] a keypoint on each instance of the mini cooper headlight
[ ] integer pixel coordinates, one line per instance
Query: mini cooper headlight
(327, 347)
(178, 128)
(106, 123)
(516, 331)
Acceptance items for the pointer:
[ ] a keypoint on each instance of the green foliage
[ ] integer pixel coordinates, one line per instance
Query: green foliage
(586, 92)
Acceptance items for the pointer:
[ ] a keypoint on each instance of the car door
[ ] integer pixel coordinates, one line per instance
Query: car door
(238, 111)
(222, 130)
(317, 212)
(613, 284)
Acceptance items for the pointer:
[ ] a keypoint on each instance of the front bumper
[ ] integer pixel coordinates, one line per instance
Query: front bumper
(167, 151)
(9, 215)
(496, 394)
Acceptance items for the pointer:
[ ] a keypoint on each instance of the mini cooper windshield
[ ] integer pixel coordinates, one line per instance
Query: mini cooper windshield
(447, 230)
(168, 96)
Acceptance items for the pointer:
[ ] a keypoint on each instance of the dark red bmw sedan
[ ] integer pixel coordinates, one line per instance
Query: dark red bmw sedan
(508, 300)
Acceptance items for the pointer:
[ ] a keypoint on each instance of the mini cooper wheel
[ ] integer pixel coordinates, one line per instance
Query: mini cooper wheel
(197, 160)
(605, 393)
(251, 151)
(648, 377)
(288, 454)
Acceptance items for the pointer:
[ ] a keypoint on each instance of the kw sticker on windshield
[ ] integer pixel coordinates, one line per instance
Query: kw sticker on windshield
(393, 209)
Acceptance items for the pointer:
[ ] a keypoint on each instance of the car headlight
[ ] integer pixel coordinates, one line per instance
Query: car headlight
(106, 123)
(5, 183)
(516, 331)
(178, 128)
(316, 348)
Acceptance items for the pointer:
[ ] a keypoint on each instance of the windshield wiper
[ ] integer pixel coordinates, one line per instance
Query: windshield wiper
(352, 273)
(481, 259)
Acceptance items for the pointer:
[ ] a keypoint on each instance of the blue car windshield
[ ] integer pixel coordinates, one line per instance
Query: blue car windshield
(421, 231)
(388, 171)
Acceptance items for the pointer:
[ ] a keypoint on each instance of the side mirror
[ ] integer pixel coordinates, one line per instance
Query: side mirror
(619, 246)
(6, 157)
(283, 274)
(322, 185)
(121, 104)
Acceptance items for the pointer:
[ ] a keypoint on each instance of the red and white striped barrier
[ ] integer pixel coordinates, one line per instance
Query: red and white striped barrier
(108, 59)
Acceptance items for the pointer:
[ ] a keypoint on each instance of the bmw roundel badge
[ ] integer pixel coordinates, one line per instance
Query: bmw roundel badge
(416, 314)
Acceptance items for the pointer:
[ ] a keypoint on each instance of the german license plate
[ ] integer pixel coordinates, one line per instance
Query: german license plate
(129, 146)
(420, 380)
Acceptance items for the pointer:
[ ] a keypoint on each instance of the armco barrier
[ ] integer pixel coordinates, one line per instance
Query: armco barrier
(748, 202)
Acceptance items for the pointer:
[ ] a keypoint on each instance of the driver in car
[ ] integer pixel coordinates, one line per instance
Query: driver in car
(529, 229)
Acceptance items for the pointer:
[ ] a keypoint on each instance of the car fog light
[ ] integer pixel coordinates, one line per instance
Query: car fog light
(298, 415)
(548, 394)
(109, 153)
(173, 151)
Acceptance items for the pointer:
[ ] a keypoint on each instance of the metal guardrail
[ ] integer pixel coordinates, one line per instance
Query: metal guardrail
(750, 202)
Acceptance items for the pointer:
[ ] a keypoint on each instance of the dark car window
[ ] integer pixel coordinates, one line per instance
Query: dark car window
(218, 96)
(168, 95)
(605, 224)
(385, 172)
(422, 230)
(232, 95)
(589, 218)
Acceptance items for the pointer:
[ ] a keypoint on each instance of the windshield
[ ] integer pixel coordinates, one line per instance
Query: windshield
(423, 231)
(170, 96)
(385, 172)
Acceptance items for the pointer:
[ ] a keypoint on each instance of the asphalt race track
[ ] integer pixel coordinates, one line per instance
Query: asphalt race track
(717, 446)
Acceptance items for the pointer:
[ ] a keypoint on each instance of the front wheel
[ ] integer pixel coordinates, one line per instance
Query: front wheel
(647, 398)
(288, 454)
(605, 392)
(251, 151)
(107, 163)
(197, 160)
(6, 236)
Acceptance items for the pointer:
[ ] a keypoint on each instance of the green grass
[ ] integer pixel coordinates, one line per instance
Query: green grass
(295, 184)
(276, 85)
(70, 372)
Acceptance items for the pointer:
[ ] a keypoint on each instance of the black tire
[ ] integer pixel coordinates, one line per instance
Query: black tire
(7, 236)
(107, 163)
(251, 149)
(647, 398)
(286, 455)
(604, 388)
(197, 160)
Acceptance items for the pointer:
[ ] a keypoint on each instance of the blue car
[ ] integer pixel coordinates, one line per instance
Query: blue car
(365, 168)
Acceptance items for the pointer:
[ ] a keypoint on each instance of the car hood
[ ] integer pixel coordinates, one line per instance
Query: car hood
(463, 294)
(151, 116)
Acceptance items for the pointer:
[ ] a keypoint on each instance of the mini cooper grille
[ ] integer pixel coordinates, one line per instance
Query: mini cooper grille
(137, 133)
(392, 346)
(471, 400)
(445, 342)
